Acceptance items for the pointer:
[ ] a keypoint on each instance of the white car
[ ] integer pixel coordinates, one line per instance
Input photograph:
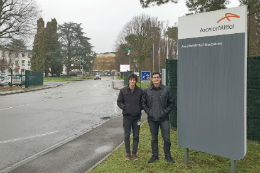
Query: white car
(2, 81)
(16, 80)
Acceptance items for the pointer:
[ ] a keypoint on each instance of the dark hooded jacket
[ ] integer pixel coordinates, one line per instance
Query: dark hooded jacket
(130, 103)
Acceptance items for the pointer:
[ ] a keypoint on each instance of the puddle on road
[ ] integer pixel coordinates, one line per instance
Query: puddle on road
(103, 149)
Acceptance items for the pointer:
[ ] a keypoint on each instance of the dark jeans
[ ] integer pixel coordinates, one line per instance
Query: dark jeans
(165, 131)
(128, 125)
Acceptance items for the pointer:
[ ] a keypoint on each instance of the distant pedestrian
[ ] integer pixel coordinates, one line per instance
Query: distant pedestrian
(129, 100)
(158, 103)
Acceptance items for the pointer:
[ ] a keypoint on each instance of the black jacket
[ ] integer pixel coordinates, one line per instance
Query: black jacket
(157, 105)
(130, 102)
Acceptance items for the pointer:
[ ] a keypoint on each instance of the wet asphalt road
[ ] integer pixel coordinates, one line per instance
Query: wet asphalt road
(36, 121)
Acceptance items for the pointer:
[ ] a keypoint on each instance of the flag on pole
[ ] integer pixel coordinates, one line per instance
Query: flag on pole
(159, 51)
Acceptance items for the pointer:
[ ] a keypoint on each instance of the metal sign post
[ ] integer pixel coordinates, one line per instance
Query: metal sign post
(145, 76)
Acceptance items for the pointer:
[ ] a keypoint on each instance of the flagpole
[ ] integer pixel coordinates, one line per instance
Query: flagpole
(153, 57)
(167, 47)
(159, 54)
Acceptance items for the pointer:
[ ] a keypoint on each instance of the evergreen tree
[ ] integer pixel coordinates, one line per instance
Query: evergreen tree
(147, 3)
(74, 44)
(50, 50)
(36, 44)
(16, 44)
(200, 6)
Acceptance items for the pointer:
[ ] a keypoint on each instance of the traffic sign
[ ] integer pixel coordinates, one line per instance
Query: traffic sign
(127, 48)
(145, 75)
(18, 67)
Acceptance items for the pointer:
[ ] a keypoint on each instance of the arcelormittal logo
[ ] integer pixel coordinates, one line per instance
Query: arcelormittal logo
(228, 15)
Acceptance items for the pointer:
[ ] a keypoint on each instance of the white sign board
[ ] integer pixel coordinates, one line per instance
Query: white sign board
(124, 67)
(212, 68)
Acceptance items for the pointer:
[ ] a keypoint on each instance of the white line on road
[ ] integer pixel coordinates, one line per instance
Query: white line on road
(14, 107)
(20, 139)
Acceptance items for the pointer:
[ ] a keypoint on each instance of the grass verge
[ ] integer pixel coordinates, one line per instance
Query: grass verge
(198, 161)
(55, 79)
(120, 78)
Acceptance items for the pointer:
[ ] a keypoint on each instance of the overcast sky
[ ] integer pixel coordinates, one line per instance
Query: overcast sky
(102, 20)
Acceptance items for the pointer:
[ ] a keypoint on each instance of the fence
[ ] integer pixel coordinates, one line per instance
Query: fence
(253, 94)
(253, 98)
(33, 78)
(126, 77)
(171, 82)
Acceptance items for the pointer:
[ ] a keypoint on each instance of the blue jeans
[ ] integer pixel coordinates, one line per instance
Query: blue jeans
(165, 131)
(128, 125)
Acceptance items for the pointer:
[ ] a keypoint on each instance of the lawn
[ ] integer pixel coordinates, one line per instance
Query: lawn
(199, 162)
(78, 78)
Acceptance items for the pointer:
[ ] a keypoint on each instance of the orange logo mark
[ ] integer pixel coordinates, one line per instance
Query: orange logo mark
(228, 15)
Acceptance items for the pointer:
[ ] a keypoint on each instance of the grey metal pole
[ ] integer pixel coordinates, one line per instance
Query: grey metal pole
(186, 156)
(167, 47)
(159, 57)
(153, 57)
(233, 166)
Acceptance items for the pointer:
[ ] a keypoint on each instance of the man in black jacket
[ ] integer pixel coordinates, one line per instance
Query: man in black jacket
(158, 103)
(129, 100)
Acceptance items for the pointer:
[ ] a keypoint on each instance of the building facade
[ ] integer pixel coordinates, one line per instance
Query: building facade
(105, 62)
(17, 60)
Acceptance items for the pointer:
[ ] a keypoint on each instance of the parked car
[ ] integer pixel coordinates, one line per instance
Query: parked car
(16, 80)
(97, 77)
(23, 80)
(73, 74)
(7, 80)
(2, 81)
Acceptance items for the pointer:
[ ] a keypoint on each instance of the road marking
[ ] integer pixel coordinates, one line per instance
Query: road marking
(14, 107)
(30, 137)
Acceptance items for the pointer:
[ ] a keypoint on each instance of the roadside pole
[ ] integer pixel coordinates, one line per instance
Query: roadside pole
(21, 79)
(11, 78)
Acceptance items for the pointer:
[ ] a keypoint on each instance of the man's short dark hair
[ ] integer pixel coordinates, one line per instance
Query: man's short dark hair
(134, 76)
(154, 73)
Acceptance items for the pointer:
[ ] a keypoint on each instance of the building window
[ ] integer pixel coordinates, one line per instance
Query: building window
(22, 70)
(23, 55)
(16, 63)
(16, 55)
(23, 61)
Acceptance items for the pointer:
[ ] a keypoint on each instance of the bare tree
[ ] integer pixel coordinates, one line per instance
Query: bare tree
(18, 18)
(139, 35)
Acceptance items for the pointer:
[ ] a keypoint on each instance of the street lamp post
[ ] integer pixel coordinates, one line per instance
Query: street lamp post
(128, 56)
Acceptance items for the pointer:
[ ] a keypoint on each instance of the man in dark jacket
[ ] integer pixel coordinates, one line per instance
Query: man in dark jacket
(129, 100)
(158, 103)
